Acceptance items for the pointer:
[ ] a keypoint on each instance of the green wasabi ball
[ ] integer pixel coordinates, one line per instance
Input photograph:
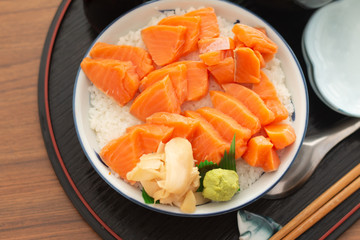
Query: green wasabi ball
(220, 184)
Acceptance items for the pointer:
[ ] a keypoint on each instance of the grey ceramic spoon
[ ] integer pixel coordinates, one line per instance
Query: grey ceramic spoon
(311, 153)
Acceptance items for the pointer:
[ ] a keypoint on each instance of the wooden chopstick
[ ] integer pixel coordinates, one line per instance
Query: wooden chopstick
(324, 203)
(319, 214)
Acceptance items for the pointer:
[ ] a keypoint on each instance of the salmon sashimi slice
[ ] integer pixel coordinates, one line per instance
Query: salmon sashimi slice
(115, 78)
(227, 127)
(215, 57)
(279, 110)
(197, 79)
(258, 148)
(212, 58)
(262, 132)
(281, 135)
(164, 43)
(261, 59)
(265, 88)
(260, 153)
(238, 43)
(122, 154)
(184, 127)
(207, 143)
(209, 27)
(159, 97)
(215, 44)
(235, 109)
(223, 72)
(247, 65)
(178, 78)
(138, 56)
(253, 38)
(271, 162)
(267, 91)
(268, 56)
(150, 135)
(192, 25)
(261, 29)
(251, 100)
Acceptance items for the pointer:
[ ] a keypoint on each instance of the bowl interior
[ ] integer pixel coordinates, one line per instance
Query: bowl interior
(294, 81)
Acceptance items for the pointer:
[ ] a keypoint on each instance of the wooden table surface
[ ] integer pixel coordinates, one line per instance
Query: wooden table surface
(33, 204)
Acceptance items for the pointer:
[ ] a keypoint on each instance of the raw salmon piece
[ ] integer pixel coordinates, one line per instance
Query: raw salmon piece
(209, 27)
(159, 97)
(254, 38)
(265, 88)
(267, 56)
(122, 154)
(281, 135)
(178, 78)
(197, 79)
(258, 148)
(279, 110)
(247, 65)
(115, 78)
(228, 53)
(211, 58)
(215, 44)
(235, 109)
(192, 25)
(184, 127)
(251, 100)
(215, 57)
(267, 91)
(227, 127)
(238, 43)
(260, 153)
(272, 161)
(223, 72)
(138, 56)
(207, 143)
(150, 135)
(261, 132)
(261, 59)
(164, 43)
(261, 29)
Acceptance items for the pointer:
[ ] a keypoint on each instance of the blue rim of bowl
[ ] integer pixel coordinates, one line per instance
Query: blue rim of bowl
(311, 66)
(184, 214)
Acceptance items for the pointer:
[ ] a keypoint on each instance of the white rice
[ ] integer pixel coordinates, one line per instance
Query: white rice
(109, 120)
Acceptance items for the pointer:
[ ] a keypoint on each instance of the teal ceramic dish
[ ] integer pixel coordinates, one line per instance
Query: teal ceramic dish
(255, 227)
(331, 49)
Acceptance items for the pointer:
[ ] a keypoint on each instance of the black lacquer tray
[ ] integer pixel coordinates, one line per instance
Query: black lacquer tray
(113, 216)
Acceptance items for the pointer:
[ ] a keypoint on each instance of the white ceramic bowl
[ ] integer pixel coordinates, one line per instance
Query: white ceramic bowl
(331, 48)
(294, 80)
